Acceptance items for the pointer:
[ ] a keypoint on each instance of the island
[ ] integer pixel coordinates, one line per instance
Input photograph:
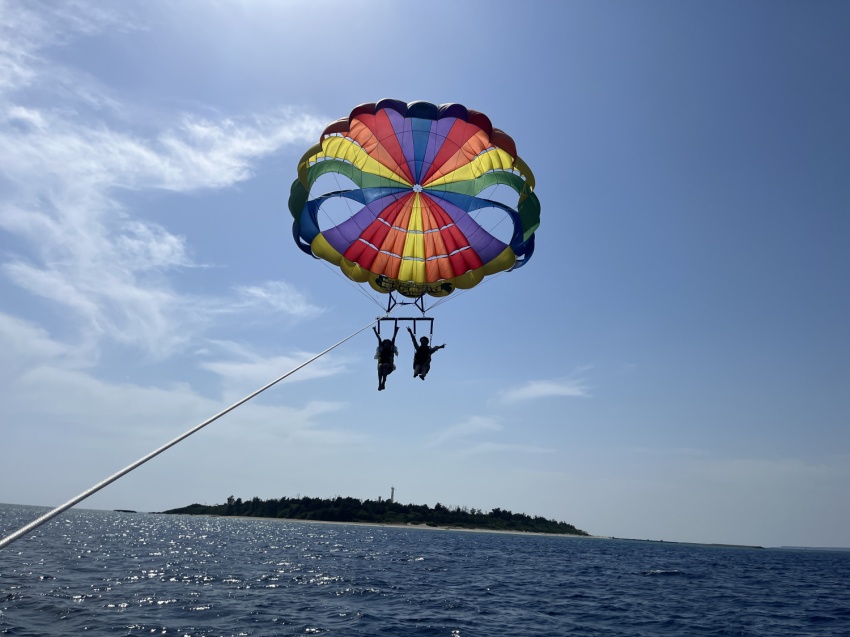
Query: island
(381, 511)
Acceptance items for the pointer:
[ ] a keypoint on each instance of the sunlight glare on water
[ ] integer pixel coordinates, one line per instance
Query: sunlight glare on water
(135, 574)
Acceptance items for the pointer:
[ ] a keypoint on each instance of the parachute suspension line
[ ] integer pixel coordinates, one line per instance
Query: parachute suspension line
(459, 293)
(52, 514)
(340, 188)
(454, 295)
(355, 285)
(418, 302)
(391, 302)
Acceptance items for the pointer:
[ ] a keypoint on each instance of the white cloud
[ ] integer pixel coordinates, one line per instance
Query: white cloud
(278, 296)
(67, 168)
(494, 447)
(25, 345)
(464, 438)
(243, 371)
(58, 412)
(54, 149)
(206, 154)
(535, 389)
(461, 438)
(28, 27)
(764, 472)
(48, 393)
(473, 426)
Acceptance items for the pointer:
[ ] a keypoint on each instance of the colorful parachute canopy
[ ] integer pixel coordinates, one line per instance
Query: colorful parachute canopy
(401, 192)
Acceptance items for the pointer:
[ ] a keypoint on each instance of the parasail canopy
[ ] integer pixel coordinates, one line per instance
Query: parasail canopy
(402, 197)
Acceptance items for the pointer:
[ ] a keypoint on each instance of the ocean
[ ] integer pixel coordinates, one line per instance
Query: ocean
(109, 573)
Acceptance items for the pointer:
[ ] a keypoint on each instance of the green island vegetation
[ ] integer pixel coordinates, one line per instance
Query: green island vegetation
(380, 512)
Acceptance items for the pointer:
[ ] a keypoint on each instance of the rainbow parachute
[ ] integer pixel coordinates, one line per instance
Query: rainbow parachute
(402, 196)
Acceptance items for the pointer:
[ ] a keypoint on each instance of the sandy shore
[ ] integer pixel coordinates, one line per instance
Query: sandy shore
(425, 527)
(421, 527)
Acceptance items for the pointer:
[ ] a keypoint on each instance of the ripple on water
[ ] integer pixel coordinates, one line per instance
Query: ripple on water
(125, 574)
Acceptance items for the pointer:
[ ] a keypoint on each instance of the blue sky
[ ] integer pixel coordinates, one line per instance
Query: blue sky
(671, 364)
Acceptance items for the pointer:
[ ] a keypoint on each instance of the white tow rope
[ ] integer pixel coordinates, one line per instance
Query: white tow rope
(52, 514)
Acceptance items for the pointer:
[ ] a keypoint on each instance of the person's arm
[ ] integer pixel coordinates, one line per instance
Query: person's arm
(412, 338)
(395, 332)
(378, 336)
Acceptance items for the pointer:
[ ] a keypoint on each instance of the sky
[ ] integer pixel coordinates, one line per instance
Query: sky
(671, 364)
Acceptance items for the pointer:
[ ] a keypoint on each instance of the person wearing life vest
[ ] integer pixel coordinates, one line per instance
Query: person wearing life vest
(422, 357)
(385, 355)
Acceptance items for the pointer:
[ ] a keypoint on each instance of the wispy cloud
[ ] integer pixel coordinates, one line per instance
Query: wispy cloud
(766, 471)
(537, 389)
(206, 154)
(65, 172)
(276, 296)
(25, 346)
(35, 365)
(241, 370)
(465, 439)
(473, 426)
(494, 447)
(27, 27)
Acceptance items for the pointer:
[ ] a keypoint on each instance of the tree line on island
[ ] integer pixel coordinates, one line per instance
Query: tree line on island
(380, 511)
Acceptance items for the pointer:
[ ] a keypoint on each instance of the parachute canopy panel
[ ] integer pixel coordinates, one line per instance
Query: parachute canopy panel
(405, 207)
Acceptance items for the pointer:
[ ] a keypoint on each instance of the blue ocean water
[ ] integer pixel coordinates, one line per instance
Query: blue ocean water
(141, 574)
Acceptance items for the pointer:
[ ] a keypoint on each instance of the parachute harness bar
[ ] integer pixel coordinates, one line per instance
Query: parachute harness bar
(414, 319)
(52, 514)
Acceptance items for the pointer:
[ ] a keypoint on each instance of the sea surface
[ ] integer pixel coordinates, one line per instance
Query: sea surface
(108, 573)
